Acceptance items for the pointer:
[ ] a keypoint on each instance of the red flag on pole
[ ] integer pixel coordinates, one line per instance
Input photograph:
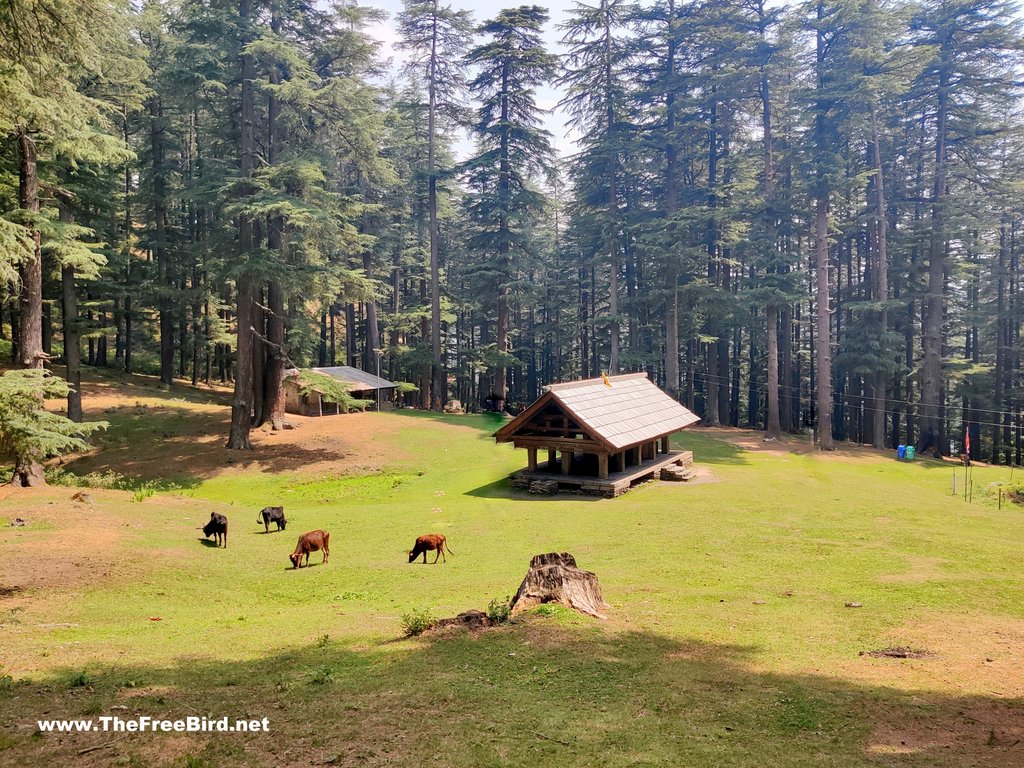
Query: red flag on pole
(967, 440)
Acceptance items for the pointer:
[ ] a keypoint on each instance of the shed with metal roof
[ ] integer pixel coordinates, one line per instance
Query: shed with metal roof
(310, 401)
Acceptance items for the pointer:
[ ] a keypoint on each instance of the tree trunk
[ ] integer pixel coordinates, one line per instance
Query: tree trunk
(274, 393)
(823, 373)
(671, 204)
(931, 368)
(613, 202)
(160, 243)
(437, 393)
(30, 300)
(28, 473)
(824, 357)
(555, 578)
(881, 284)
(774, 427)
(242, 402)
(72, 342)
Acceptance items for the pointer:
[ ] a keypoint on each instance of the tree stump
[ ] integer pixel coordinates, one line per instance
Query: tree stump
(555, 578)
(471, 620)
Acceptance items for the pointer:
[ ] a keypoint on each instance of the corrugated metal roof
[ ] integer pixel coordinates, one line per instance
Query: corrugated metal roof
(360, 380)
(632, 410)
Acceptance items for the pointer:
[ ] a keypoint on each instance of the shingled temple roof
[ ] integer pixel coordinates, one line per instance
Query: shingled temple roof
(627, 410)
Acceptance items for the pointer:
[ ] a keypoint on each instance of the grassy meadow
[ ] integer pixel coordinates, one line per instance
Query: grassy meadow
(729, 642)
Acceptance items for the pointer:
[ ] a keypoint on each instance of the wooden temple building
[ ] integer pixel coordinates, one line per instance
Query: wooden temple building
(600, 435)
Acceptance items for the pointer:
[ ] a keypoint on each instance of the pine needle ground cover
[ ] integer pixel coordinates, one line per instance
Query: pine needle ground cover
(730, 640)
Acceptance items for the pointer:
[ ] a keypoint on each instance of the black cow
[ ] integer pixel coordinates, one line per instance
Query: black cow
(270, 515)
(218, 528)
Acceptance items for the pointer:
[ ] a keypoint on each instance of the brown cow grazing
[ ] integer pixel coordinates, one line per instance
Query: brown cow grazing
(429, 543)
(310, 542)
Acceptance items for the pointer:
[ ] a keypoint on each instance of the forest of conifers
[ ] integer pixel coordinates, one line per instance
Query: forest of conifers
(794, 217)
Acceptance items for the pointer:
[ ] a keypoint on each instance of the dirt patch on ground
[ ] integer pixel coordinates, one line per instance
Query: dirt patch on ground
(752, 440)
(974, 655)
(181, 433)
(919, 570)
(977, 733)
(898, 652)
(63, 542)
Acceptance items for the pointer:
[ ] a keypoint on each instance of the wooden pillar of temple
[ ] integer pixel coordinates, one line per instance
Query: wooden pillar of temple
(566, 462)
(620, 461)
(664, 444)
(602, 465)
(552, 460)
(531, 455)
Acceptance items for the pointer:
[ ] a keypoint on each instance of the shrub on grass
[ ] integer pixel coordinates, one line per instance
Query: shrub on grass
(322, 675)
(6, 681)
(143, 493)
(109, 479)
(417, 622)
(499, 610)
(81, 680)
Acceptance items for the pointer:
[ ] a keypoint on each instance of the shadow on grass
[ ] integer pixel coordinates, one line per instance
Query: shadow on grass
(709, 450)
(488, 423)
(502, 489)
(545, 691)
(209, 543)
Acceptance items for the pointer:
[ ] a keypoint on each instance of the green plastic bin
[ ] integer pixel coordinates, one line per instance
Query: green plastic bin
(910, 453)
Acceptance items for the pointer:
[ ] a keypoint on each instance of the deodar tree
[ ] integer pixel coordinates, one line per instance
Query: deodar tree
(513, 155)
(28, 432)
(435, 36)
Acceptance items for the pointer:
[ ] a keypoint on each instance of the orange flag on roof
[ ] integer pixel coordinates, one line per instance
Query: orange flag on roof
(604, 378)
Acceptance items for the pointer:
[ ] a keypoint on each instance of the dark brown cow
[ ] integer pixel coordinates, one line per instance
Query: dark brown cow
(310, 542)
(217, 527)
(429, 543)
(270, 515)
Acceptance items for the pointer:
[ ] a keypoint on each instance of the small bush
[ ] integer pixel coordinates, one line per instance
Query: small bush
(110, 480)
(323, 641)
(94, 707)
(417, 622)
(499, 610)
(6, 681)
(142, 494)
(322, 675)
(81, 680)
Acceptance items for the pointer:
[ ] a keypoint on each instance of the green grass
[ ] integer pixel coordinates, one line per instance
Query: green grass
(729, 642)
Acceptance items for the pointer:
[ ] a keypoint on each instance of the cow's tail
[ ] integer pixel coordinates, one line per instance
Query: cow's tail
(259, 518)
(447, 548)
